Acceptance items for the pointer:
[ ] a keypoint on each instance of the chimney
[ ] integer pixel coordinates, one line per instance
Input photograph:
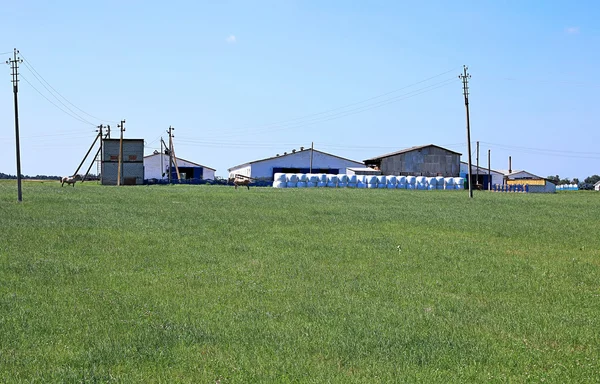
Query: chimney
(509, 165)
(293, 151)
(302, 148)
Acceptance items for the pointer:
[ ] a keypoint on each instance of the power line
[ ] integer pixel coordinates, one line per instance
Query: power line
(352, 111)
(34, 71)
(347, 105)
(56, 105)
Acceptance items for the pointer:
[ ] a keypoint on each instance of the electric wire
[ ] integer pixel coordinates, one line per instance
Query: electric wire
(34, 71)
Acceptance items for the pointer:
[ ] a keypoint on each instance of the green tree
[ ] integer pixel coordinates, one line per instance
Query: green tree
(592, 179)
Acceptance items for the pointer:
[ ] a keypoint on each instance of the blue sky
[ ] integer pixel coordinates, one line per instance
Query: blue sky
(241, 80)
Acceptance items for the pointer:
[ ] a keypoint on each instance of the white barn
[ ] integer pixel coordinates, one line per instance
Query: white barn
(297, 161)
(597, 186)
(187, 169)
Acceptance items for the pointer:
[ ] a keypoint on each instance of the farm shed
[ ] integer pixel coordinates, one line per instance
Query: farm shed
(480, 176)
(425, 160)
(132, 167)
(597, 186)
(296, 161)
(156, 166)
(536, 184)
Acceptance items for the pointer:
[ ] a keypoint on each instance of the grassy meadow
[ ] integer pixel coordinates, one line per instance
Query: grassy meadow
(206, 284)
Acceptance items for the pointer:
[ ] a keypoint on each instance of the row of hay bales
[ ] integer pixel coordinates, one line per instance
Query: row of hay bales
(321, 180)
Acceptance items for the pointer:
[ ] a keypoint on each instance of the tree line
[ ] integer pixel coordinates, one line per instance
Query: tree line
(587, 184)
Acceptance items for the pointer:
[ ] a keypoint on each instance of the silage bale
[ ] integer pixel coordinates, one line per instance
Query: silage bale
(301, 184)
(321, 184)
(382, 179)
(342, 185)
(391, 186)
(372, 185)
(392, 180)
(420, 179)
(371, 179)
(343, 178)
(431, 187)
(411, 180)
(280, 177)
(291, 184)
(352, 179)
(279, 184)
(361, 185)
(449, 183)
(410, 186)
(301, 177)
(401, 186)
(459, 183)
(313, 178)
(322, 178)
(332, 178)
(310, 184)
(351, 185)
(439, 181)
(401, 179)
(431, 181)
(292, 178)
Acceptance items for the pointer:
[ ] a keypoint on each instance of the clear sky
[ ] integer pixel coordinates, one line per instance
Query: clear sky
(244, 80)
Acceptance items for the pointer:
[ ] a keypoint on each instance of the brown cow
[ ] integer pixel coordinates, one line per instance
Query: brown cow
(240, 180)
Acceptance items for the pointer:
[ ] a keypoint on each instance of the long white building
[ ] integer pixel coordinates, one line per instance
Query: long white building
(156, 166)
(296, 161)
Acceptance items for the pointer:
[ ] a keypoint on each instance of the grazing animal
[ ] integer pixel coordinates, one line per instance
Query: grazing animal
(241, 181)
(69, 180)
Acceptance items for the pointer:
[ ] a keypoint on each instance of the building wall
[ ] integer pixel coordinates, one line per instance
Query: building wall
(546, 188)
(428, 161)
(497, 177)
(241, 170)
(597, 187)
(133, 161)
(153, 169)
(300, 159)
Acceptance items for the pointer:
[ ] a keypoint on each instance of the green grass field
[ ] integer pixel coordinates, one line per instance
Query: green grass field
(204, 284)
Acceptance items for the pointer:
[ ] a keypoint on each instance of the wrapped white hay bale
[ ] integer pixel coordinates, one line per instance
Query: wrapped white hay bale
(372, 185)
(361, 179)
(280, 177)
(459, 183)
(292, 178)
(361, 185)
(310, 184)
(411, 186)
(392, 180)
(313, 178)
(401, 186)
(342, 185)
(291, 184)
(401, 179)
(411, 180)
(322, 178)
(382, 179)
(321, 184)
(343, 178)
(392, 186)
(301, 184)
(371, 179)
(302, 177)
(420, 179)
(279, 184)
(332, 178)
(352, 179)
(421, 186)
(351, 185)
(431, 181)
(449, 183)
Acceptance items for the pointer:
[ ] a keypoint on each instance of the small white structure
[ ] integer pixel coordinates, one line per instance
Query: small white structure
(296, 161)
(597, 186)
(156, 166)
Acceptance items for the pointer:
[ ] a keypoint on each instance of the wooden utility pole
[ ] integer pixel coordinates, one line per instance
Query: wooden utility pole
(88, 152)
(465, 76)
(312, 148)
(119, 171)
(14, 66)
(172, 152)
(477, 161)
(489, 171)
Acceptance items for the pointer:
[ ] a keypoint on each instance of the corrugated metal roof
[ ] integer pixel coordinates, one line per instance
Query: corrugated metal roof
(410, 150)
(293, 153)
(481, 168)
(179, 158)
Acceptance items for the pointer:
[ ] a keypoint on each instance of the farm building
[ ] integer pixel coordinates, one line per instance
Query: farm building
(156, 166)
(132, 163)
(597, 186)
(425, 160)
(296, 161)
(480, 175)
(535, 183)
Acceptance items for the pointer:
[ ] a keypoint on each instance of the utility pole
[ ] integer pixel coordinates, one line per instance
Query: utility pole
(312, 148)
(477, 161)
(489, 171)
(162, 163)
(172, 152)
(119, 171)
(14, 66)
(465, 76)
(170, 132)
